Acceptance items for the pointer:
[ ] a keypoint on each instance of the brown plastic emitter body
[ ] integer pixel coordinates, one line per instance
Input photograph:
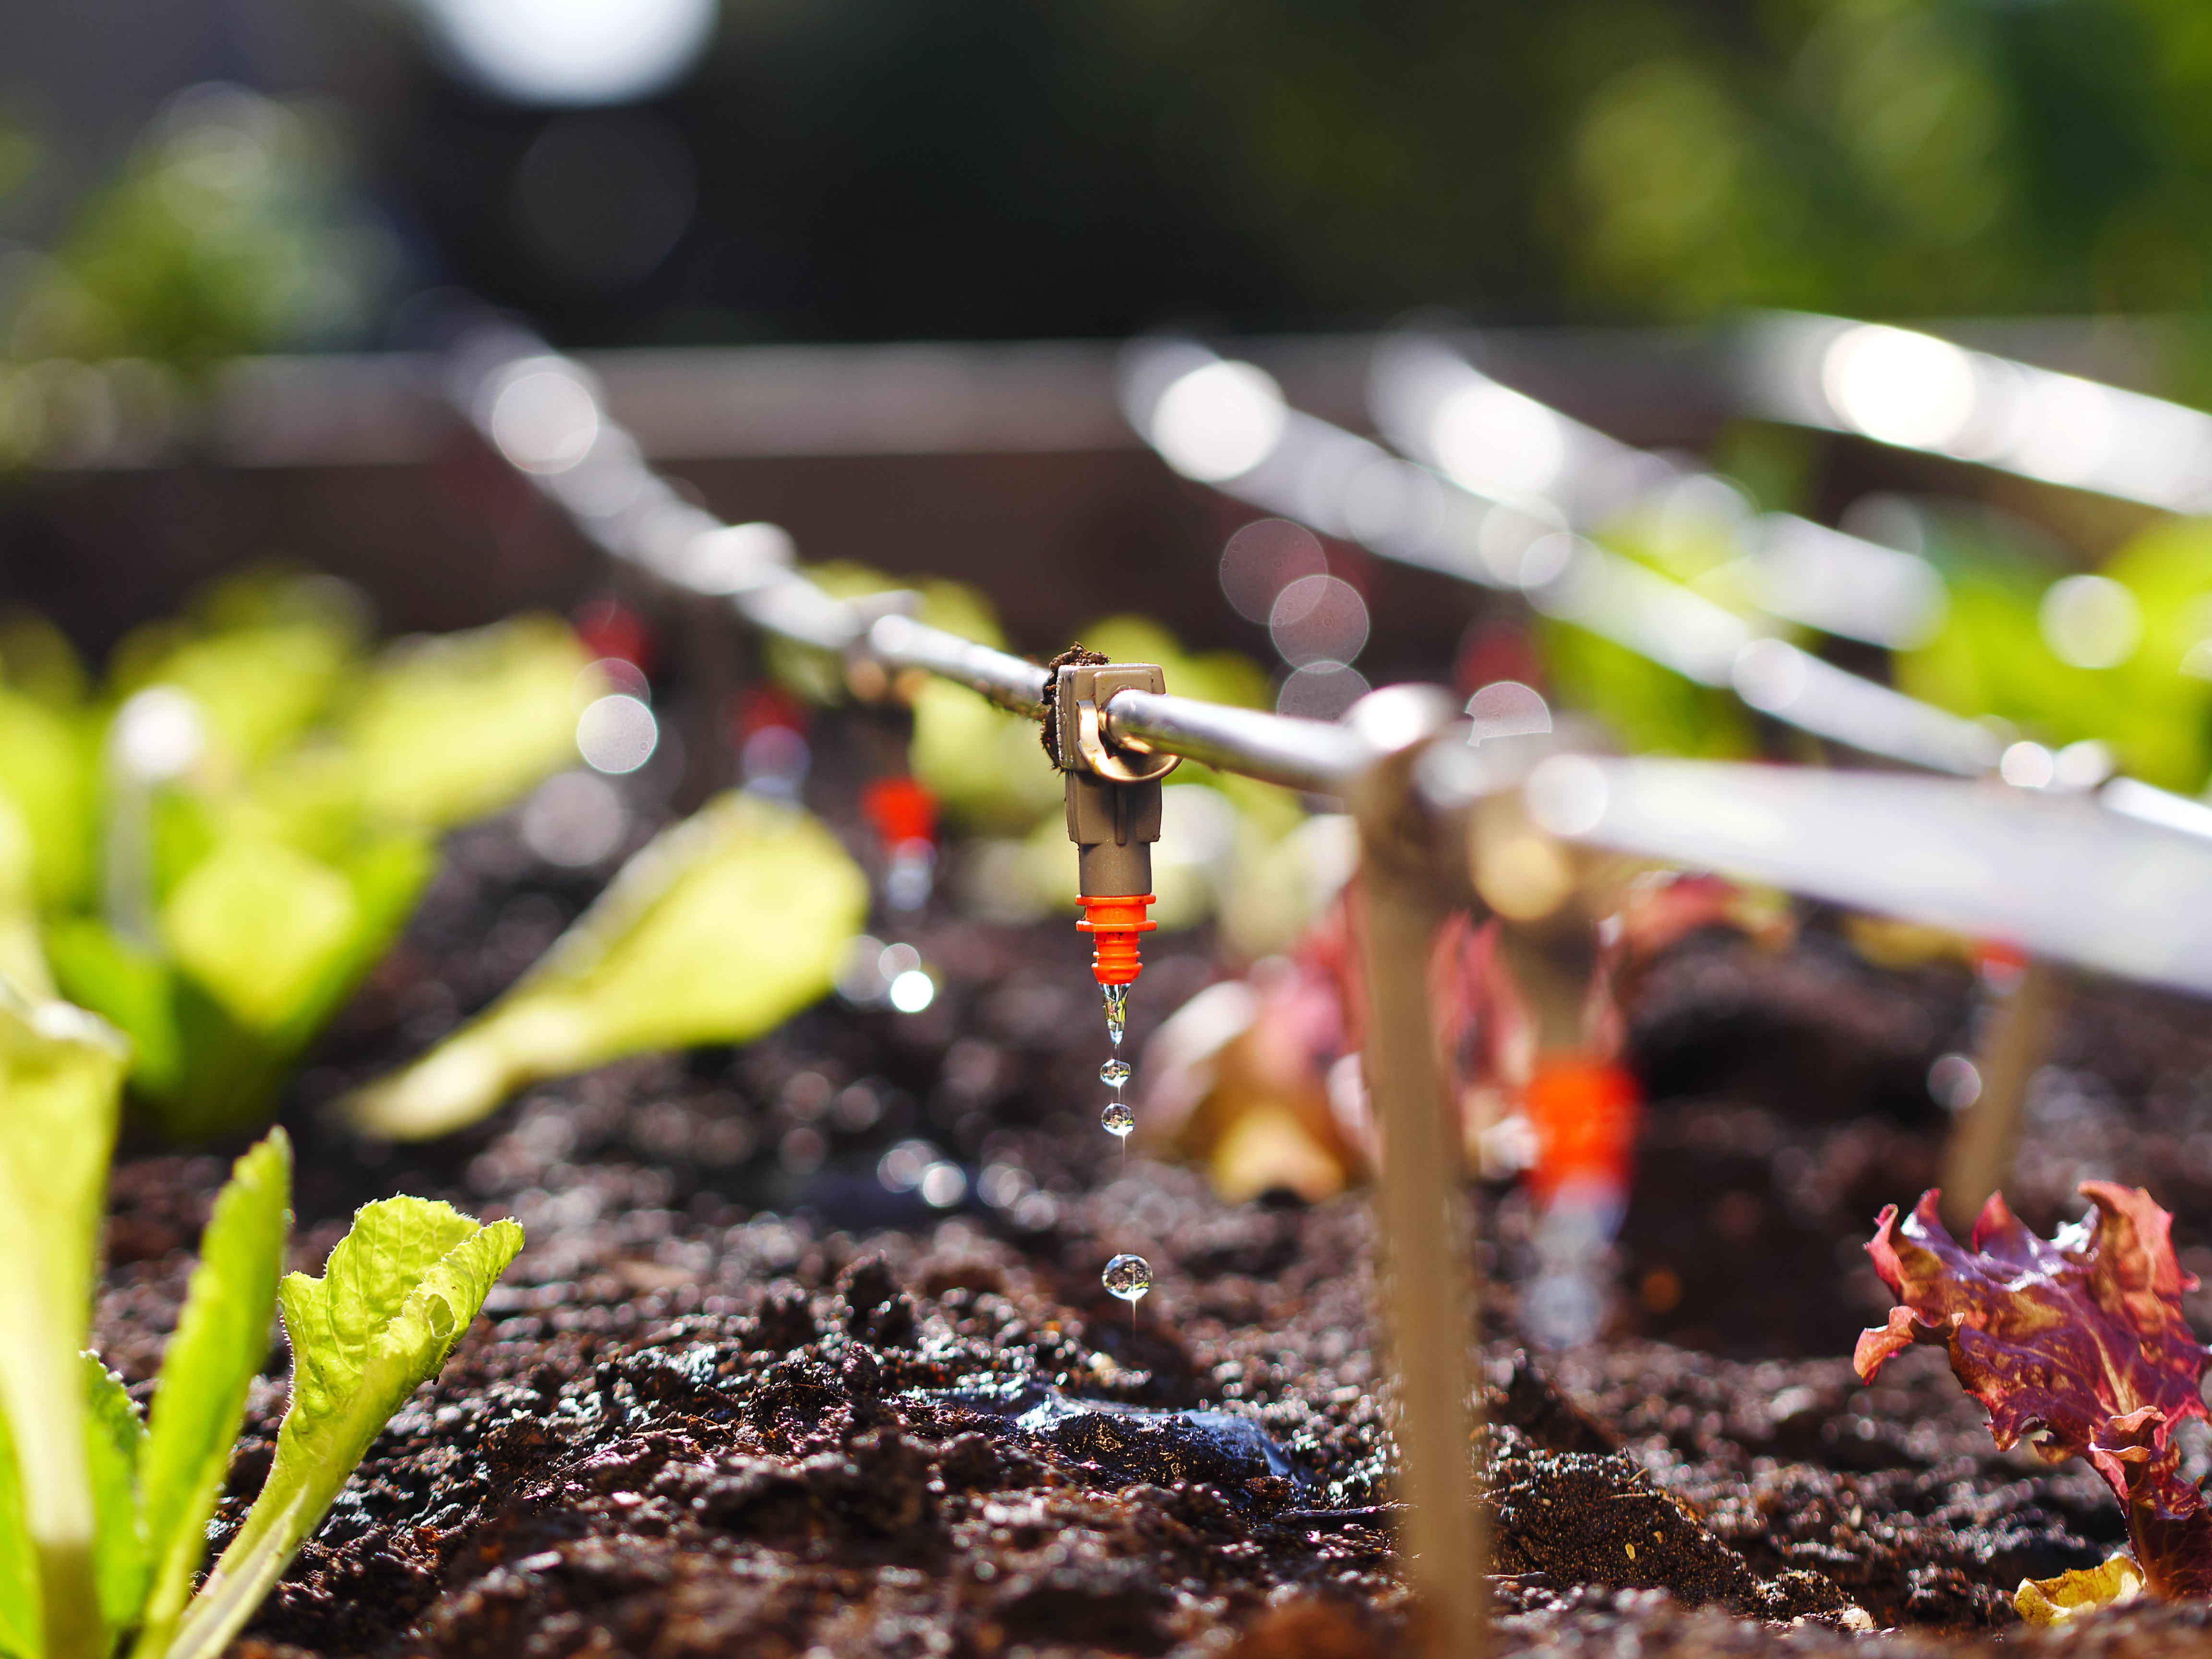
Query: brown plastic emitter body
(1113, 812)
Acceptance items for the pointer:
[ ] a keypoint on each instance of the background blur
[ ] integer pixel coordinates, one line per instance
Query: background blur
(187, 184)
(637, 171)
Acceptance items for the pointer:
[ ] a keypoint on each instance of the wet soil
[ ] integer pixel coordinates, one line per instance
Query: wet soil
(740, 1396)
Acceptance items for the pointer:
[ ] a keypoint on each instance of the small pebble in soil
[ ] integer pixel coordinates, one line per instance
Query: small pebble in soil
(1118, 1119)
(1127, 1276)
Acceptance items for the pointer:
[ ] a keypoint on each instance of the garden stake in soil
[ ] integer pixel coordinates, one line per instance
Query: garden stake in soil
(1429, 1290)
(1979, 1153)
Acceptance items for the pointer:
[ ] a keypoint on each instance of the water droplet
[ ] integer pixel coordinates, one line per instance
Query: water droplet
(1117, 1012)
(1118, 1119)
(1127, 1276)
(1114, 1072)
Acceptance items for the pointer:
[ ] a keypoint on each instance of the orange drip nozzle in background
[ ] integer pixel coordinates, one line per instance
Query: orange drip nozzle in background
(1114, 924)
(1584, 1111)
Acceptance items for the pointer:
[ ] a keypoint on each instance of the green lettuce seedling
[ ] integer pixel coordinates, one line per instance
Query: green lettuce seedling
(718, 930)
(241, 893)
(103, 1515)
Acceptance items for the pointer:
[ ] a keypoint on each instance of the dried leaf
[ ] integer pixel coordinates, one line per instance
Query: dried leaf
(2054, 1601)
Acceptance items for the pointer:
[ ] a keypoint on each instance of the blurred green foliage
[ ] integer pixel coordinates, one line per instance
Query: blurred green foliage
(1690, 537)
(1654, 156)
(219, 909)
(1316, 164)
(1995, 655)
(1929, 156)
(1649, 710)
(229, 229)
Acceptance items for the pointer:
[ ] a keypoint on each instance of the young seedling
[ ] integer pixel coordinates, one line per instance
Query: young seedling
(720, 929)
(103, 1515)
(268, 802)
(2078, 1345)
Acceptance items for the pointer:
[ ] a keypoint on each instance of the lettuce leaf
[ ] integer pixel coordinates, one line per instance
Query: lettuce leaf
(398, 1293)
(451, 728)
(260, 926)
(718, 930)
(61, 1076)
(22, 962)
(47, 770)
(221, 1341)
(115, 1445)
(265, 941)
(2078, 1345)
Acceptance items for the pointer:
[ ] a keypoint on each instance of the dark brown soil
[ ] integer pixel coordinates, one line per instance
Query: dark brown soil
(738, 1396)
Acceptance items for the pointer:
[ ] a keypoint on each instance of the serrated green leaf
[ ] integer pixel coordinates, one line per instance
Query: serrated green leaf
(199, 1400)
(717, 931)
(61, 1077)
(116, 1438)
(396, 1295)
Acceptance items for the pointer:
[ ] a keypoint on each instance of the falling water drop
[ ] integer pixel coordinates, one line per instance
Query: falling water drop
(1128, 1277)
(1117, 1012)
(1114, 1072)
(1118, 1119)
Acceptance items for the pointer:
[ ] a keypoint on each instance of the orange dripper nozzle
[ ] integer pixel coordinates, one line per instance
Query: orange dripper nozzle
(1584, 1110)
(1114, 924)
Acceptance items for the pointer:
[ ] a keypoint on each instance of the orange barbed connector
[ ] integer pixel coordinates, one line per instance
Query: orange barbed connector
(1114, 924)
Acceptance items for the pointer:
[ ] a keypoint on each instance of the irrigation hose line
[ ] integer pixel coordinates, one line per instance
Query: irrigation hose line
(2099, 881)
(543, 414)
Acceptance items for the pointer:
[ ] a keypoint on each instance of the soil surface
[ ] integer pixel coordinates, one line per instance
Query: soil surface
(740, 1396)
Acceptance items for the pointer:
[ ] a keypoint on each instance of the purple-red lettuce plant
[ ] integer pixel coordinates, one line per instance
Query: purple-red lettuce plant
(2077, 1344)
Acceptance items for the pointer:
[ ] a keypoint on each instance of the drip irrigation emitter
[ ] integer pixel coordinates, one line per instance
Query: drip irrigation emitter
(2064, 879)
(1113, 811)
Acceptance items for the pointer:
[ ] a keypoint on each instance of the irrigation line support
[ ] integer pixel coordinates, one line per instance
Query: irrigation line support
(1978, 1153)
(1426, 1269)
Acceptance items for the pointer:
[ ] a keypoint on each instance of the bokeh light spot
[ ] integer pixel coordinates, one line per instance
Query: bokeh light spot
(2090, 622)
(1219, 422)
(616, 734)
(1262, 559)
(1900, 387)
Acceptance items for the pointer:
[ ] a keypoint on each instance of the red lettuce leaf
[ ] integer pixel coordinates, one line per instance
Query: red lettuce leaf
(2169, 1522)
(2077, 1344)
